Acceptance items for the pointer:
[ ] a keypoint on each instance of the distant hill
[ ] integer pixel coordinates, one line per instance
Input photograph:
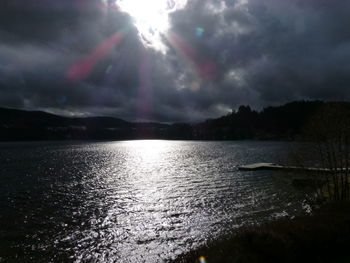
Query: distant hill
(36, 125)
(272, 123)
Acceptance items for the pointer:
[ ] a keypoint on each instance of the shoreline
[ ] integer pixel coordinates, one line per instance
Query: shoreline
(322, 236)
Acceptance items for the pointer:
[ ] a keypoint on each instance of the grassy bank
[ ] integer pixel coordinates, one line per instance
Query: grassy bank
(323, 236)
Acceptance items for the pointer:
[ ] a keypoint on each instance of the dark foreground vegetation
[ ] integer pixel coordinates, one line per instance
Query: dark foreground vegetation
(323, 236)
(272, 123)
(328, 148)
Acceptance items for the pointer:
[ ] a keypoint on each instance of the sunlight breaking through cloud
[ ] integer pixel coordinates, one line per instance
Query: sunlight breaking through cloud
(151, 18)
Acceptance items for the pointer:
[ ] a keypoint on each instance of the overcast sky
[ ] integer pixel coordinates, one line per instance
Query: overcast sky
(204, 58)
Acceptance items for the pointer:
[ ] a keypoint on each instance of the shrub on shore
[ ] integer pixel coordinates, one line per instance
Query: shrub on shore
(321, 237)
(327, 135)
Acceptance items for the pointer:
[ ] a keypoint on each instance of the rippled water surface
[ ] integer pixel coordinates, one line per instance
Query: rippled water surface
(133, 201)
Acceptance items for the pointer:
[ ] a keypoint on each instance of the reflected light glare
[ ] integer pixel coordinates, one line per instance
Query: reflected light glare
(149, 150)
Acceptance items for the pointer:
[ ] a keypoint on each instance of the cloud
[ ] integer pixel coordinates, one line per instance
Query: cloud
(283, 50)
(220, 54)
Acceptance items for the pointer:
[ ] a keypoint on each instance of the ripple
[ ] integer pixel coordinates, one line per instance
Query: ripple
(133, 201)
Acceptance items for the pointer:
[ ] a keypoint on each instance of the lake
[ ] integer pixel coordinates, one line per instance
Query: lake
(134, 201)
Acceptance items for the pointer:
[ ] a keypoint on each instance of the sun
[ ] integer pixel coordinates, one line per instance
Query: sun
(151, 17)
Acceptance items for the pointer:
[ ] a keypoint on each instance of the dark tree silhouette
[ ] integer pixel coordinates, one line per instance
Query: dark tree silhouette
(328, 147)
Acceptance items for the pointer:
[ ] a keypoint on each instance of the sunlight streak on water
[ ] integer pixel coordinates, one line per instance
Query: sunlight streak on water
(132, 201)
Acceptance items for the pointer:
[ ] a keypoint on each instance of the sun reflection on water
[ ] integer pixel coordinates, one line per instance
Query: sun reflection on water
(148, 151)
(140, 201)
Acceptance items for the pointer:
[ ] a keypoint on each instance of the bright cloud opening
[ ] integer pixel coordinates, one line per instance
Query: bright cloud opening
(151, 18)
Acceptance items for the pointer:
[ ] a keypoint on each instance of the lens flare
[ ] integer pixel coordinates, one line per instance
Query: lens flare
(145, 87)
(199, 32)
(195, 86)
(202, 259)
(84, 67)
(204, 68)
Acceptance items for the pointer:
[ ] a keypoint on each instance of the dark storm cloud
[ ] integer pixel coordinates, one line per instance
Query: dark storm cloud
(39, 46)
(220, 54)
(272, 51)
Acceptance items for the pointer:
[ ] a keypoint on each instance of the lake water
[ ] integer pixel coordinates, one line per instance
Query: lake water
(133, 201)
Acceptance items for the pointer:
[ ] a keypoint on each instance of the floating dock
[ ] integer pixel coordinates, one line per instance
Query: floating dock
(273, 166)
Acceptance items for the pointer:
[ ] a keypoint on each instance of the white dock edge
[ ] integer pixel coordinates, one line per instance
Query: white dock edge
(273, 166)
(260, 166)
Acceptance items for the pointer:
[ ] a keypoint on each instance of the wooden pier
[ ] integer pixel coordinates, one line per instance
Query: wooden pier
(273, 166)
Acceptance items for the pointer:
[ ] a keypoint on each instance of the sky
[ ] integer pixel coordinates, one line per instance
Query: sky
(171, 60)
